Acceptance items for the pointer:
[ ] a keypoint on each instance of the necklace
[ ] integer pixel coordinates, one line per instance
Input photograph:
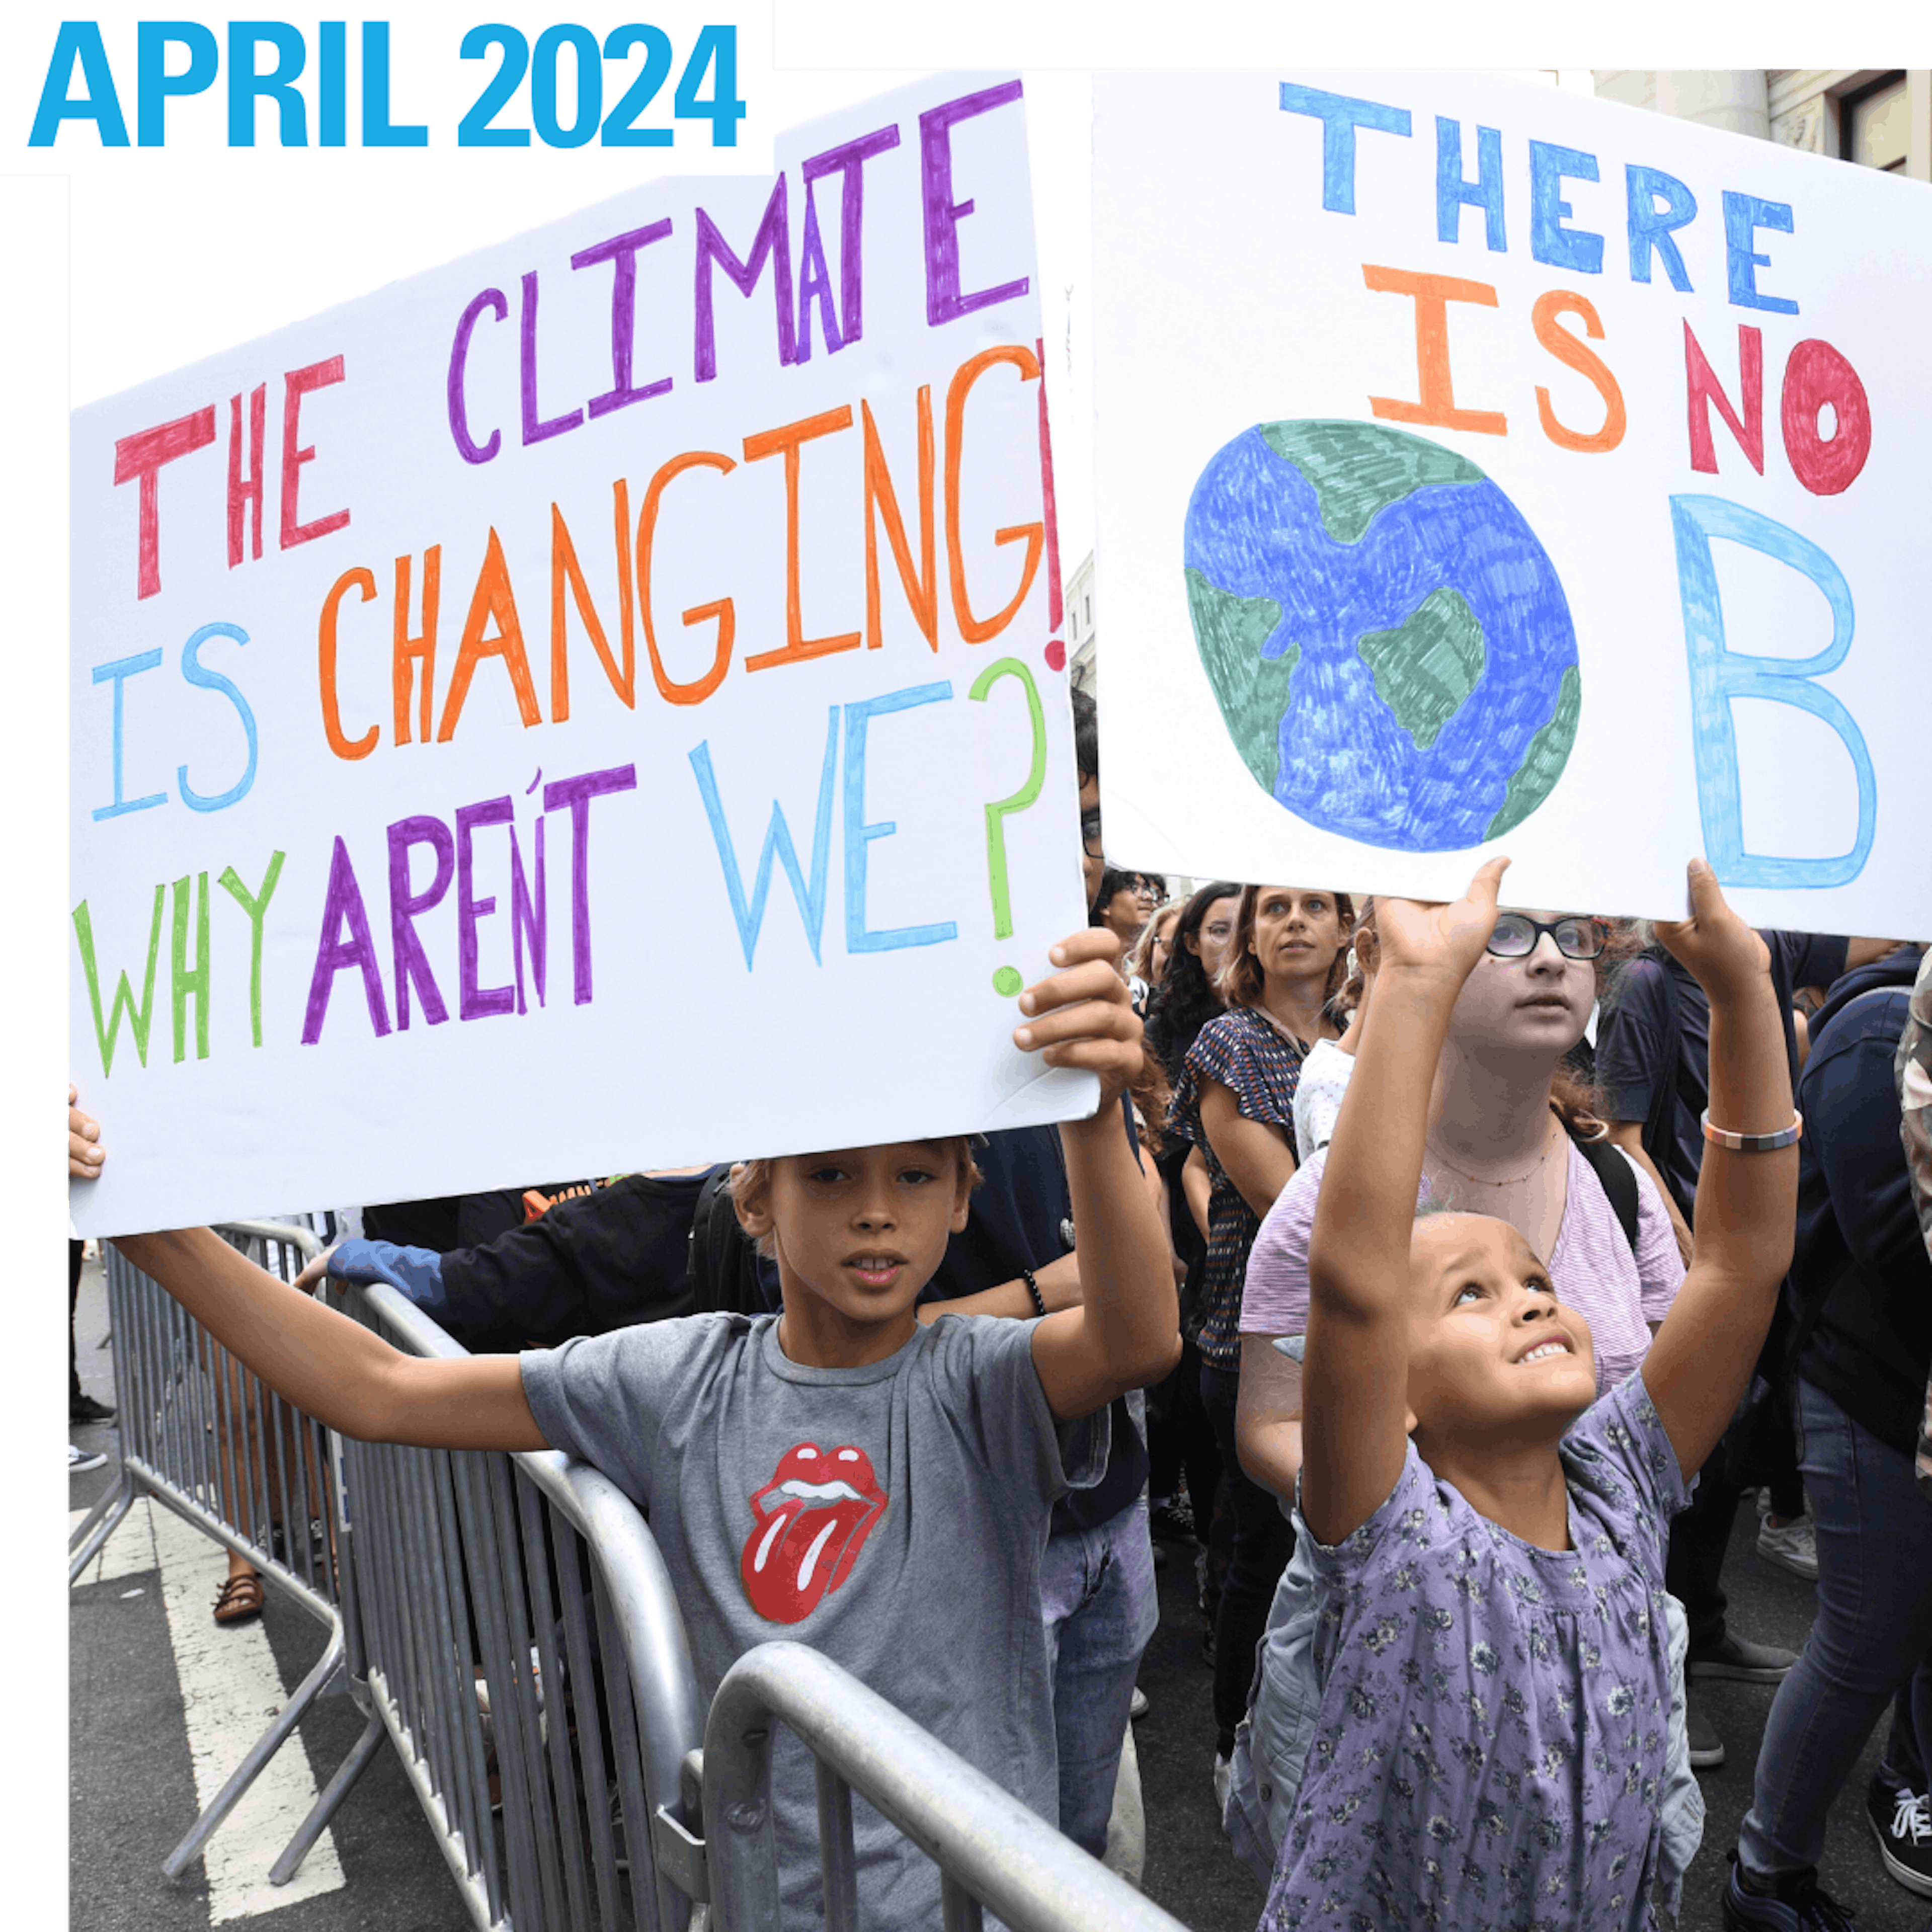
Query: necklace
(1514, 1181)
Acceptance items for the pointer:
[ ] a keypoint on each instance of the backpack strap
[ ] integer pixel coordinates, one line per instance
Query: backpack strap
(1611, 1167)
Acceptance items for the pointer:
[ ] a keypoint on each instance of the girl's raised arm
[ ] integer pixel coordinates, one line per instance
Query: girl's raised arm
(341, 1373)
(1355, 1379)
(1747, 1201)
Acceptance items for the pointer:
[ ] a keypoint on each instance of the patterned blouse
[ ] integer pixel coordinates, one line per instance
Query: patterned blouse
(1249, 1056)
(1490, 1748)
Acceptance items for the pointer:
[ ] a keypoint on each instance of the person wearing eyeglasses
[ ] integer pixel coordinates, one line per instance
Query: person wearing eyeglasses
(1125, 904)
(1513, 1134)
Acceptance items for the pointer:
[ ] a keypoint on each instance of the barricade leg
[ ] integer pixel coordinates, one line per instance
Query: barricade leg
(324, 1808)
(249, 1769)
(103, 1520)
(958, 1910)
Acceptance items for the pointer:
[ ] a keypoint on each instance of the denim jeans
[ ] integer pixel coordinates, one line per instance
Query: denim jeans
(1097, 1593)
(1874, 1624)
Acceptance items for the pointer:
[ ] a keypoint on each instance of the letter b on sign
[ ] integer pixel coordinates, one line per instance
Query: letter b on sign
(1719, 676)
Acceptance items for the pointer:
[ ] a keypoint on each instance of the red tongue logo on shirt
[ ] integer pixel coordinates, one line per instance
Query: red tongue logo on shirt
(809, 1523)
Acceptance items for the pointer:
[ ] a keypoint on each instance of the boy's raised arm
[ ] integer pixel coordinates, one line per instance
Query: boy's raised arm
(1355, 1377)
(1126, 1332)
(341, 1373)
(1747, 1202)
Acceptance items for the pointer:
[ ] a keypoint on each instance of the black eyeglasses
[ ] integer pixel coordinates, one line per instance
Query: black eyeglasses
(1090, 831)
(1517, 934)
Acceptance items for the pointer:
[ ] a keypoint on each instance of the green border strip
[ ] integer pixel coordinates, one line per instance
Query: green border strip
(1425, 34)
(34, 547)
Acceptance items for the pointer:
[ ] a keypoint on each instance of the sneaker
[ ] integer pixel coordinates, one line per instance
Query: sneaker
(1138, 1708)
(1173, 1522)
(79, 1461)
(88, 1410)
(1795, 1547)
(1901, 1822)
(1740, 1661)
(1796, 1906)
(1707, 1748)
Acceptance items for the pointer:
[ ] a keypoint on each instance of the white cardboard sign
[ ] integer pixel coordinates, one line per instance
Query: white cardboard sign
(589, 706)
(1480, 468)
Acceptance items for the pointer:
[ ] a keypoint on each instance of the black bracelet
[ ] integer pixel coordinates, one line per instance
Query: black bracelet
(1033, 1288)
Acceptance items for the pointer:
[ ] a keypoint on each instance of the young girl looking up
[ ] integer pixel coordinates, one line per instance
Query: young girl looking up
(839, 1475)
(1507, 1123)
(1486, 1537)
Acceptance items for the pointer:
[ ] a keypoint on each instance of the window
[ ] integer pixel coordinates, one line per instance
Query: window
(1875, 125)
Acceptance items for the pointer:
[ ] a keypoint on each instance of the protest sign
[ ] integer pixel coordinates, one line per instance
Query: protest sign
(591, 706)
(1480, 468)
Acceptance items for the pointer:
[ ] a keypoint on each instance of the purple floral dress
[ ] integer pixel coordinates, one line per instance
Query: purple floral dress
(1490, 1749)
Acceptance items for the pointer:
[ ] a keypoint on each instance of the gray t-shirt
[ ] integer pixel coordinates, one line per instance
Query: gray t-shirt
(892, 1517)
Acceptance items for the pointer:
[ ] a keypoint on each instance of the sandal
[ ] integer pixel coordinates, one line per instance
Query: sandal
(241, 1598)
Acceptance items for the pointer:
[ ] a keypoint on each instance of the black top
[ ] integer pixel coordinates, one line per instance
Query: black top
(1021, 1213)
(1860, 1283)
(595, 1262)
(1653, 990)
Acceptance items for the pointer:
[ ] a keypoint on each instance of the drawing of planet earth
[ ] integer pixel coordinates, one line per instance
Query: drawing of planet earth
(1391, 648)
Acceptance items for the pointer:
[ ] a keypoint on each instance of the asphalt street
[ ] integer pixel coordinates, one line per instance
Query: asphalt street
(154, 1687)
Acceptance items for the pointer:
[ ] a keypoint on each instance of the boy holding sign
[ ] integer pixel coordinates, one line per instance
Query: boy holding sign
(884, 1483)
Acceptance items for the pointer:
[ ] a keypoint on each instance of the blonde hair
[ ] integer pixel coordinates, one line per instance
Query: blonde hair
(1140, 959)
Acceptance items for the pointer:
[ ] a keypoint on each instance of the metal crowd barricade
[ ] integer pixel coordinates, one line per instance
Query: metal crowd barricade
(508, 1623)
(990, 1850)
(513, 1632)
(201, 1434)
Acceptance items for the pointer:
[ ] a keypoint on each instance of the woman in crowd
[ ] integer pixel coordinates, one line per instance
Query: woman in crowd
(1181, 1440)
(1148, 960)
(1184, 997)
(1235, 1100)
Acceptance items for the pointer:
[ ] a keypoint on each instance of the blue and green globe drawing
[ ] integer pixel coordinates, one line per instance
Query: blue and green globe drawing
(1391, 646)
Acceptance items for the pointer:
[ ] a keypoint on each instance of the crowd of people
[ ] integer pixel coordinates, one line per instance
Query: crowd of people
(1436, 1279)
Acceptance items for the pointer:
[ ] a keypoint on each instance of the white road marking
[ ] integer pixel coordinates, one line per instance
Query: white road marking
(230, 1688)
(129, 1552)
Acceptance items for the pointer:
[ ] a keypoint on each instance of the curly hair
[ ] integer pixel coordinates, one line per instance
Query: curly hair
(1185, 1000)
